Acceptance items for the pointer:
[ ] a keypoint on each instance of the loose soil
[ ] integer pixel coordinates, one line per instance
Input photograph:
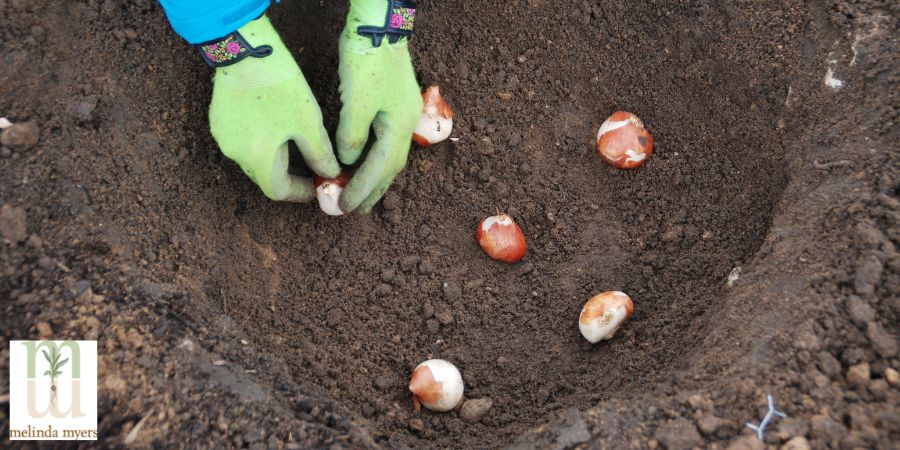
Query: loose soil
(758, 243)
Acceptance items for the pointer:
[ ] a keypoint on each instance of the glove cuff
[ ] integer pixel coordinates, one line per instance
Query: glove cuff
(398, 23)
(230, 49)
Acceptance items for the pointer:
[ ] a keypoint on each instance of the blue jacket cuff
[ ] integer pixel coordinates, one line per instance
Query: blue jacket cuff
(200, 21)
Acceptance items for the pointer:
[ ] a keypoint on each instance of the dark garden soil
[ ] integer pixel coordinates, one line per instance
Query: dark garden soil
(758, 243)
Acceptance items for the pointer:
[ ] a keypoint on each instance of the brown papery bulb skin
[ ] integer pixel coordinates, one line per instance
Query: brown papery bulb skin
(604, 314)
(424, 387)
(341, 179)
(501, 238)
(623, 142)
(436, 122)
(437, 385)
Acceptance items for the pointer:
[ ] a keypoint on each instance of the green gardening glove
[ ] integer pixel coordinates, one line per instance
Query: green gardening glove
(378, 91)
(258, 105)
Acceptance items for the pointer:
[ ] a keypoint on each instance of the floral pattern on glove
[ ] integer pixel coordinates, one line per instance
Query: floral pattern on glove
(226, 50)
(403, 19)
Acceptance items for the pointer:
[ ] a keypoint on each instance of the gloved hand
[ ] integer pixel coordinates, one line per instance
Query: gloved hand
(259, 104)
(378, 91)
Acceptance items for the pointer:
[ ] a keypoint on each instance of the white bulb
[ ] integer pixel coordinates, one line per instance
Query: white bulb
(328, 195)
(434, 127)
(437, 385)
(604, 314)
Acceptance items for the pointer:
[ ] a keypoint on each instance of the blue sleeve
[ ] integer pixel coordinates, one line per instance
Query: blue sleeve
(200, 21)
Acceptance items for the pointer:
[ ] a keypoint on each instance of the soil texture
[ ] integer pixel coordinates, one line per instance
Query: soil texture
(758, 243)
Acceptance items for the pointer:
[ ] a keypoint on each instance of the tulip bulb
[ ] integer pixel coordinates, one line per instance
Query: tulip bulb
(623, 142)
(501, 238)
(437, 385)
(436, 122)
(328, 192)
(604, 314)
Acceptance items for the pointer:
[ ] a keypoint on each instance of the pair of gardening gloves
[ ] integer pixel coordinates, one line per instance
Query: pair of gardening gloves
(259, 104)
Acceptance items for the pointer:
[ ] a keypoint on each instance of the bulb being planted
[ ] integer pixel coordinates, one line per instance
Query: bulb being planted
(604, 314)
(436, 122)
(437, 385)
(501, 238)
(329, 191)
(623, 141)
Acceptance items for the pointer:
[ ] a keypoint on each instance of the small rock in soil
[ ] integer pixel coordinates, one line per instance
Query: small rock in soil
(46, 263)
(860, 311)
(882, 341)
(829, 365)
(88, 296)
(806, 339)
(678, 434)
(892, 376)
(797, 443)
(83, 110)
(700, 402)
(474, 410)
(709, 424)
(868, 274)
(12, 223)
(859, 375)
(44, 330)
(20, 137)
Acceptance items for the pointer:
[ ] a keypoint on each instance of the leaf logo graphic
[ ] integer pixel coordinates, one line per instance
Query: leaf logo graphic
(55, 365)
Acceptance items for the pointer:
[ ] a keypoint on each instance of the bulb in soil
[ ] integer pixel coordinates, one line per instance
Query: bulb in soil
(604, 314)
(329, 191)
(436, 122)
(623, 141)
(501, 238)
(437, 385)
